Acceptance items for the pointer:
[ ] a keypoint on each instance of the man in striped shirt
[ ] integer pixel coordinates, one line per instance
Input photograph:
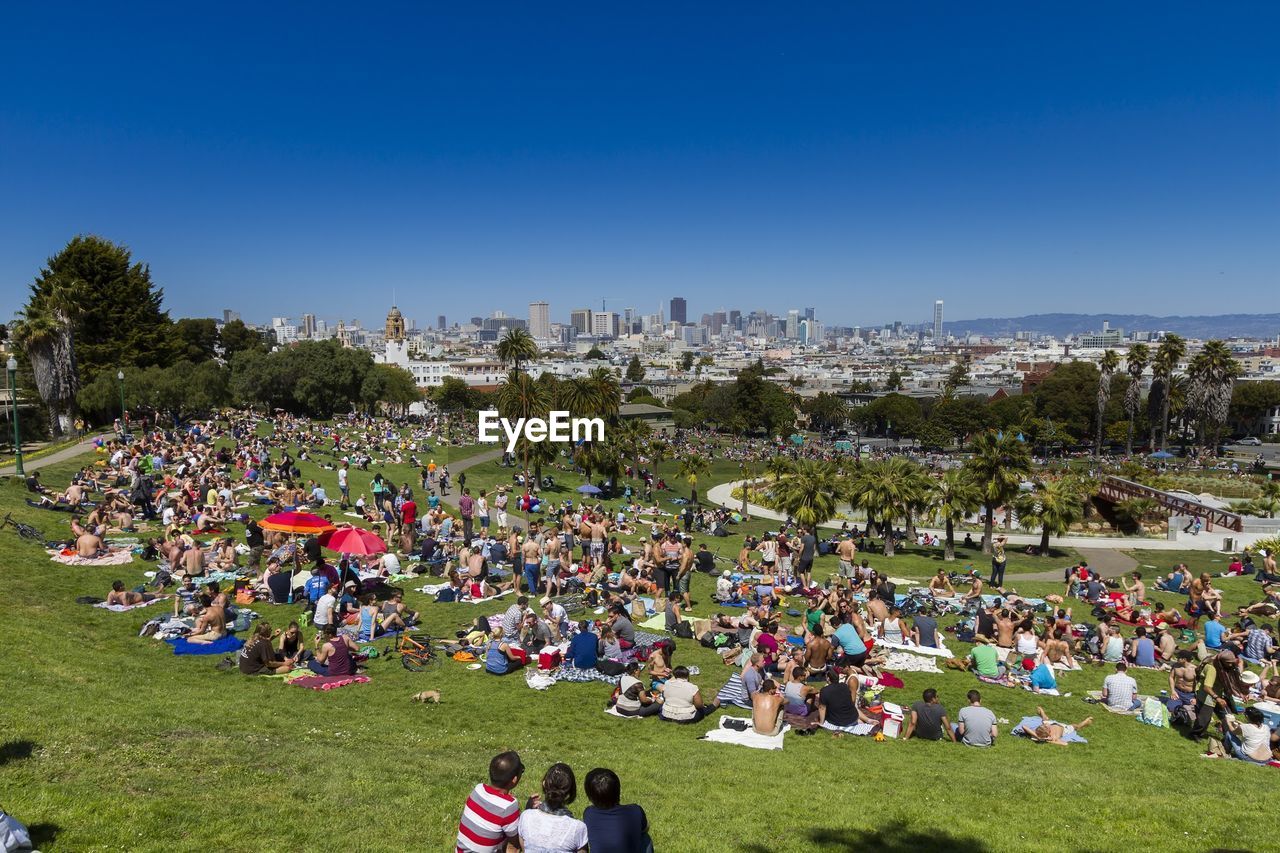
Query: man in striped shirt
(491, 815)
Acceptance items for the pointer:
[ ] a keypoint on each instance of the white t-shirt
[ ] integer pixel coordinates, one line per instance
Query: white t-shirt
(541, 832)
(167, 516)
(1254, 740)
(391, 563)
(342, 478)
(324, 609)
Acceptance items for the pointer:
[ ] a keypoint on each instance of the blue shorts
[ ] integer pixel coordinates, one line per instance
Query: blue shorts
(531, 574)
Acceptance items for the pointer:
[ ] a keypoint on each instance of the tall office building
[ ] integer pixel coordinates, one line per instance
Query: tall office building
(679, 310)
(604, 324)
(937, 322)
(229, 316)
(792, 331)
(440, 323)
(580, 319)
(308, 326)
(540, 320)
(809, 314)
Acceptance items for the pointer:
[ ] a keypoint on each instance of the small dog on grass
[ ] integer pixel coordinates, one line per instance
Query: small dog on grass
(432, 696)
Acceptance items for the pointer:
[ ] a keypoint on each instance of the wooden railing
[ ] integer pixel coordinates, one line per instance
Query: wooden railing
(1116, 489)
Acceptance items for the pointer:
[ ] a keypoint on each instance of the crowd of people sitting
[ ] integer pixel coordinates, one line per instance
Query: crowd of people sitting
(807, 651)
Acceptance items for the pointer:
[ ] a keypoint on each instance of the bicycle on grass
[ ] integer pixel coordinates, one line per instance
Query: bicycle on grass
(416, 654)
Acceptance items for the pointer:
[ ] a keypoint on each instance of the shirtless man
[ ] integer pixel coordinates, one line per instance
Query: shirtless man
(1056, 733)
(531, 556)
(1137, 591)
(193, 561)
(685, 571)
(1182, 680)
(89, 544)
(847, 552)
(940, 585)
(766, 709)
(1058, 651)
(1005, 626)
(126, 597)
(817, 653)
(552, 549)
(975, 588)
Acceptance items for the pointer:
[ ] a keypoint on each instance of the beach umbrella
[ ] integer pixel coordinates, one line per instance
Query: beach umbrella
(353, 540)
(797, 438)
(296, 522)
(588, 489)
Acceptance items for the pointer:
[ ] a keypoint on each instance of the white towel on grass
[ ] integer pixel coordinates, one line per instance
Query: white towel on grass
(941, 652)
(746, 738)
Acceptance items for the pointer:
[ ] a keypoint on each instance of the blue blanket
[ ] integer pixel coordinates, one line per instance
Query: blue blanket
(225, 645)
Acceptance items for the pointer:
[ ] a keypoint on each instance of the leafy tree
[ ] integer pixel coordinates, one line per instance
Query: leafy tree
(952, 498)
(1251, 401)
(960, 416)
(809, 492)
(455, 395)
(686, 360)
(195, 340)
(826, 411)
(635, 370)
(1068, 397)
(896, 412)
(1135, 362)
(957, 377)
(595, 354)
(517, 345)
(1106, 372)
(390, 384)
(126, 326)
(638, 391)
(693, 466)
(1054, 505)
(894, 381)
(999, 464)
(1168, 354)
(237, 337)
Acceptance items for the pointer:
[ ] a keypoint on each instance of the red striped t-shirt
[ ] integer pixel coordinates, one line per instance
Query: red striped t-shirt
(489, 818)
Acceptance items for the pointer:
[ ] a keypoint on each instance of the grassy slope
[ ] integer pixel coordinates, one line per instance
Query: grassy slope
(113, 742)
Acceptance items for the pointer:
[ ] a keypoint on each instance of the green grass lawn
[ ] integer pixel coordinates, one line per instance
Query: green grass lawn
(110, 742)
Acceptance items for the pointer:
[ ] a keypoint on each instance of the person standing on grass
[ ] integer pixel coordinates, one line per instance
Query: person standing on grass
(998, 561)
(467, 509)
(491, 816)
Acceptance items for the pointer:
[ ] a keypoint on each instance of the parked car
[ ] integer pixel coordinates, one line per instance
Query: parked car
(1250, 440)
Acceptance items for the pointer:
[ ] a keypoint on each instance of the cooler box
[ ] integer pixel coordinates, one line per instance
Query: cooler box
(550, 658)
(893, 716)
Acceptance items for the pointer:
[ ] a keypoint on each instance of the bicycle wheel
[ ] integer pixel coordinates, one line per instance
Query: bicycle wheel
(414, 662)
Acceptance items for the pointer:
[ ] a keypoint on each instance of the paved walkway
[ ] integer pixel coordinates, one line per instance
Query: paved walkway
(456, 468)
(62, 455)
(723, 496)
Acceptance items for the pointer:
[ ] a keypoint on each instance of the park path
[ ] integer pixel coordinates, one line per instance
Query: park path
(54, 458)
(456, 468)
(1107, 562)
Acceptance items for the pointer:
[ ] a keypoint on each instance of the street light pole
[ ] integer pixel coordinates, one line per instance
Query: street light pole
(13, 396)
(124, 423)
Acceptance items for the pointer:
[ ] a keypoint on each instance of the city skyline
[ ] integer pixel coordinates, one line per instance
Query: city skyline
(1009, 161)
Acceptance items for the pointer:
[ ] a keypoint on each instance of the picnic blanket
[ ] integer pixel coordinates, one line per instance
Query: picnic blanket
(750, 738)
(121, 608)
(858, 729)
(1096, 697)
(1026, 724)
(220, 646)
(569, 672)
(903, 662)
(941, 652)
(659, 622)
(328, 682)
(613, 712)
(115, 558)
(435, 589)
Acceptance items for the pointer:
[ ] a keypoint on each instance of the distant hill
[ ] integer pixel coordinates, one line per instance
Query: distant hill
(1061, 325)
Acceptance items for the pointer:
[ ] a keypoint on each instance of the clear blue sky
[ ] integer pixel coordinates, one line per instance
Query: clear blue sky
(863, 159)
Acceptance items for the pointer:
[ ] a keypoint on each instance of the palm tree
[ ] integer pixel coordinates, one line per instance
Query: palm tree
(632, 436)
(44, 333)
(1135, 362)
(691, 468)
(809, 493)
(953, 497)
(606, 393)
(1055, 505)
(517, 345)
(1168, 354)
(915, 487)
(999, 464)
(522, 396)
(778, 467)
(883, 489)
(1212, 374)
(1106, 372)
(1136, 510)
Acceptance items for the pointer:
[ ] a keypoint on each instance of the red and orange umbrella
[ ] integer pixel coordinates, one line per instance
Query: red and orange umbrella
(296, 522)
(353, 540)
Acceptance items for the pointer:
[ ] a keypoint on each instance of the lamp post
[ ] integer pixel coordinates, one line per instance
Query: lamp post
(12, 365)
(124, 423)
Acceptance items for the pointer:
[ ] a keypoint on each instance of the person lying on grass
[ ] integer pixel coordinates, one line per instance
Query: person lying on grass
(1055, 733)
(126, 597)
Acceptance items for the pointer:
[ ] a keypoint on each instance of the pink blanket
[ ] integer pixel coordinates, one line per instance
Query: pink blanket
(328, 682)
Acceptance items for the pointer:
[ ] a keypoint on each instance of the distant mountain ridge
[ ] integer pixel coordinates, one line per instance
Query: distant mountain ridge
(1061, 325)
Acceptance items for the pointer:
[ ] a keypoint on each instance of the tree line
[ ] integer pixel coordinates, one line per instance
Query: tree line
(93, 313)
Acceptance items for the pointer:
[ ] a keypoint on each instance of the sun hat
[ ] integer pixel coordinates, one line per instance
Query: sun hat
(725, 573)
(1250, 677)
